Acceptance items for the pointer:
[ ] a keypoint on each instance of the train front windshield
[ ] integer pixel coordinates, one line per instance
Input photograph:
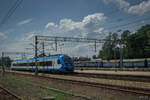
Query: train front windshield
(67, 60)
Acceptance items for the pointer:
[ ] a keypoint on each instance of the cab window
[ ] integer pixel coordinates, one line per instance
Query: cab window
(58, 61)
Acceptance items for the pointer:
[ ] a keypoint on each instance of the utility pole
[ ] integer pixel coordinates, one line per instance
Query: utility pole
(121, 55)
(43, 49)
(95, 46)
(56, 43)
(36, 68)
(23, 55)
(2, 64)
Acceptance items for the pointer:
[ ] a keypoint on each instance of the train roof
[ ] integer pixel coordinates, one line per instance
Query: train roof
(41, 58)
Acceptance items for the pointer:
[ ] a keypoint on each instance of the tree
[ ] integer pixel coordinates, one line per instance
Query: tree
(106, 48)
(6, 61)
(124, 37)
(41, 55)
(109, 48)
(138, 43)
(94, 57)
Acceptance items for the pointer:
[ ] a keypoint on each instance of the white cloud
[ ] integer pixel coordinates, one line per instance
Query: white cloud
(26, 21)
(122, 4)
(141, 8)
(100, 31)
(89, 27)
(94, 19)
(138, 9)
(51, 25)
(2, 36)
(68, 27)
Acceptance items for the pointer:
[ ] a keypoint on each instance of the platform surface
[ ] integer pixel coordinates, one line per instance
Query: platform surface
(138, 73)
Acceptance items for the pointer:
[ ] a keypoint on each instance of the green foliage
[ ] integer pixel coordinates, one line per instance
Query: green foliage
(94, 57)
(42, 55)
(124, 38)
(6, 61)
(109, 48)
(136, 45)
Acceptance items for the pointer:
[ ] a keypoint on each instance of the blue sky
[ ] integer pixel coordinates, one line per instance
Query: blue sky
(75, 18)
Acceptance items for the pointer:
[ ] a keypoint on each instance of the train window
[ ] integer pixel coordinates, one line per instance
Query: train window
(42, 63)
(14, 64)
(27, 64)
(24, 64)
(32, 64)
(67, 60)
(19, 64)
(58, 61)
(48, 63)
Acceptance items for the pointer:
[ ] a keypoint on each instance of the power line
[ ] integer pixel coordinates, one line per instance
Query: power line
(10, 12)
(130, 23)
(122, 19)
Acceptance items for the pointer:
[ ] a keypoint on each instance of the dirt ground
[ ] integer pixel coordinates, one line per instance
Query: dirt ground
(21, 87)
(5, 96)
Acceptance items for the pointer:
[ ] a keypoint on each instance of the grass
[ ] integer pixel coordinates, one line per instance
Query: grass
(37, 91)
(57, 95)
(20, 82)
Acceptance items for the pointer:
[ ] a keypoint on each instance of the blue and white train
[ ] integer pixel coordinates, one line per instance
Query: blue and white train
(58, 63)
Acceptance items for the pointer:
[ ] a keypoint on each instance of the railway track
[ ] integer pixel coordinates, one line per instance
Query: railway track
(133, 90)
(7, 95)
(137, 78)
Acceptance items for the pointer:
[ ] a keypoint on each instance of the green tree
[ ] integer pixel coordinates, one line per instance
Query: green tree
(41, 55)
(6, 61)
(94, 57)
(109, 48)
(124, 37)
(138, 43)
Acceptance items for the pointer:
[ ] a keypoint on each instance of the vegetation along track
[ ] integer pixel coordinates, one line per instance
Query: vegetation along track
(137, 78)
(7, 95)
(136, 90)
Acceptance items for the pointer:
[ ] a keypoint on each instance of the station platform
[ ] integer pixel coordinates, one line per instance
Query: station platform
(134, 73)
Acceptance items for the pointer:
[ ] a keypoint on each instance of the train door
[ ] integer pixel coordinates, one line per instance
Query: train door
(53, 63)
(49, 64)
(44, 65)
(57, 63)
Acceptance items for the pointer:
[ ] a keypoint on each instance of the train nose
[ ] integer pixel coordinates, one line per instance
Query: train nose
(69, 68)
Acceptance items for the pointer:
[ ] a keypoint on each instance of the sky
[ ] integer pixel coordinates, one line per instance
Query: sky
(69, 18)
